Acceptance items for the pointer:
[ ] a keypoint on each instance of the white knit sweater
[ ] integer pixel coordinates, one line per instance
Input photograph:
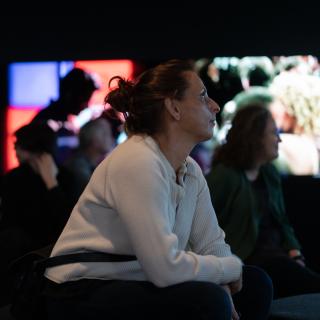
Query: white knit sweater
(133, 205)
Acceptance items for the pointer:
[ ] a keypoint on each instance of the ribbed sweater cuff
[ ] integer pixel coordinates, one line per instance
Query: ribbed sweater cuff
(232, 268)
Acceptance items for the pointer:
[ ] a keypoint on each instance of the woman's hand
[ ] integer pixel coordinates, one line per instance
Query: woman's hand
(297, 256)
(235, 286)
(234, 313)
(46, 168)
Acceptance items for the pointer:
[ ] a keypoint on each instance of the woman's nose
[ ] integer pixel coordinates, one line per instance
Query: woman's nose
(214, 106)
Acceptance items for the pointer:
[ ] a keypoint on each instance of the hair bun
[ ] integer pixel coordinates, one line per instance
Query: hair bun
(119, 98)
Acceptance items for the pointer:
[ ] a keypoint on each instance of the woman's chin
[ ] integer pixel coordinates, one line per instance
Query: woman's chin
(206, 136)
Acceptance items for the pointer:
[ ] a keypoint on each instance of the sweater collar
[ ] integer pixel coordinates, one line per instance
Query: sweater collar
(183, 168)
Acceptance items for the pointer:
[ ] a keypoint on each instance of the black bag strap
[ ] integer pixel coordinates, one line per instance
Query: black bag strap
(50, 262)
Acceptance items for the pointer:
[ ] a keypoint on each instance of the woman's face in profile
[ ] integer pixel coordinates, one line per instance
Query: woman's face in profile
(198, 111)
(271, 140)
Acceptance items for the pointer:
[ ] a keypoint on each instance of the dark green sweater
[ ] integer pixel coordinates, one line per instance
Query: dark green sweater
(236, 208)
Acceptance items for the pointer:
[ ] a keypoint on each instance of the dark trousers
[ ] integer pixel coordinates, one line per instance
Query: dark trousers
(289, 278)
(99, 299)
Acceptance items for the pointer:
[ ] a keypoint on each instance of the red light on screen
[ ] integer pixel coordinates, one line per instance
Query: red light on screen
(15, 118)
(106, 69)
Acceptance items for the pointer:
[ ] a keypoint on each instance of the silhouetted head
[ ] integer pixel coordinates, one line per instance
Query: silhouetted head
(96, 134)
(35, 138)
(76, 89)
(258, 76)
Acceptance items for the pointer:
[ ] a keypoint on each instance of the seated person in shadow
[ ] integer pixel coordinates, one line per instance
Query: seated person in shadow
(298, 154)
(75, 92)
(247, 194)
(37, 196)
(95, 142)
(149, 199)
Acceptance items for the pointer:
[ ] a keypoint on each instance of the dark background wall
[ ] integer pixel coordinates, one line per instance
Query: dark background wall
(153, 34)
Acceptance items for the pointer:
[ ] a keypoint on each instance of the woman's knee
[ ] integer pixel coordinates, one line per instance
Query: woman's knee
(258, 280)
(254, 299)
(210, 299)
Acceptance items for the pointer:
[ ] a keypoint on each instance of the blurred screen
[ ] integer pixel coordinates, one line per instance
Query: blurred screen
(288, 85)
(33, 85)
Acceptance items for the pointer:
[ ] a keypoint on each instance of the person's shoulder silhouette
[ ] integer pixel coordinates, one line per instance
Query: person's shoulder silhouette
(75, 92)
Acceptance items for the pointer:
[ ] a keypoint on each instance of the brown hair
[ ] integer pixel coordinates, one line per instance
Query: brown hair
(142, 101)
(244, 141)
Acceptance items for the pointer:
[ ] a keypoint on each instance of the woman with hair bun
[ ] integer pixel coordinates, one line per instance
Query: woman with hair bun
(148, 204)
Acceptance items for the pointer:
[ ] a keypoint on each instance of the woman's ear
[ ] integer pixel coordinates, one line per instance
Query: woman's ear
(173, 108)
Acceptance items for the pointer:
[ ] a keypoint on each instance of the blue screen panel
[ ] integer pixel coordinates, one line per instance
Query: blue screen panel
(33, 84)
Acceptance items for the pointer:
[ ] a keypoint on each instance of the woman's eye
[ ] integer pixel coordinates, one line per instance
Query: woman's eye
(203, 96)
